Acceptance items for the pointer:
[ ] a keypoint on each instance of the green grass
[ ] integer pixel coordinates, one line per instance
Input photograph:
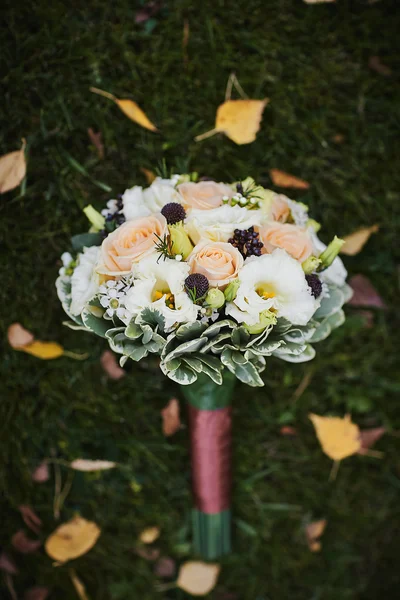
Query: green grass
(312, 62)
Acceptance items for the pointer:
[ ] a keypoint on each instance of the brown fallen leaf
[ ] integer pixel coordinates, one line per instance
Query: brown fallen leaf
(338, 138)
(288, 430)
(78, 585)
(23, 544)
(42, 473)
(364, 293)
(239, 120)
(198, 578)
(148, 553)
(369, 437)
(170, 416)
(355, 241)
(18, 336)
(12, 169)
(129, 108)
(72, 539)
(97, 141)
(30, 518)
(36, 593)
(7, 564)
(377, 65)
(314, 531)
(82, 464)
(150, 176)
(338, 437)
(149, 535)
(110, 365)
(147, 11)
(165, 567)
(285, 180)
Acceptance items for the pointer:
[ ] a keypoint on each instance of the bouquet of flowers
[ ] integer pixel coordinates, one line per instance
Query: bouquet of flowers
(214, 279)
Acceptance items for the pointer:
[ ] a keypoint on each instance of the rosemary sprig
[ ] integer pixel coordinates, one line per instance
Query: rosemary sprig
(164, 247)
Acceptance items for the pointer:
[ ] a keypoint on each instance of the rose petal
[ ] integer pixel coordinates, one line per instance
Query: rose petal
(364, 293)
(30, 518)
(369, 437)
(18, 336)
(41, 473)
(23, 544)
(165, 567)
(110, 365)
(7, 564)
(36, 593)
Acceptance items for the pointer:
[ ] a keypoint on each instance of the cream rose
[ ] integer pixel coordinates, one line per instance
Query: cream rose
(220, 262)
(295, 240)
(203, 195)
(130, 243)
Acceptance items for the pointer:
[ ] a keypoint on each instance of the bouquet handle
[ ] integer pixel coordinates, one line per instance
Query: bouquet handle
(210, 423)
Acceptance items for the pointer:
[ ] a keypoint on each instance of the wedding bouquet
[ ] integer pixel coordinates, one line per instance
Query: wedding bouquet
(214, 279)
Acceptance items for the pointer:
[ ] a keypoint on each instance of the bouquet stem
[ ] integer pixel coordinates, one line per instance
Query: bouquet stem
(210, 425)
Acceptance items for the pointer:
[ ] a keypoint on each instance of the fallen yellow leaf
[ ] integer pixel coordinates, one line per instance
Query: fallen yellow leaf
(43, 350)
(18, 336)
(78, 585)
(170, 416)
(338, 437)
(239, 120)
(149, 535)
(197, 578)
(282, 179)
(314, 531)
(150, 176)
(72, 539)
(355, 241)
(129, 108)
(12, 169)
(81, 464)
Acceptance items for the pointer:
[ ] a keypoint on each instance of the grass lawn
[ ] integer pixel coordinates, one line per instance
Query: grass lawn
(312, 62)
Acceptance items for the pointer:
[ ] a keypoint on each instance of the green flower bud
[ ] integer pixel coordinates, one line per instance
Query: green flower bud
(215, 298)
(231, 290)
(267, 318)
(314, 225)
(311, 264)
(95, 218)
(180, 241)
(330, 253)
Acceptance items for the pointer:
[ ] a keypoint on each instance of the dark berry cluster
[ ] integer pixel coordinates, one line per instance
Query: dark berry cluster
(247, 242)
(196, 285)
(315, 284)
(173, 212)
(114, 220)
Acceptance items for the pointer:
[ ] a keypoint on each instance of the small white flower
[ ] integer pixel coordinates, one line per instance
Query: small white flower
(66, 259)
(178, 257)
(84, 280)
(112, 298)
(272, 282)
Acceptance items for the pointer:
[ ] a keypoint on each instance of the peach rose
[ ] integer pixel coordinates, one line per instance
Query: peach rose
(291, 238)
(280, 210)
(220, 262)
(204, 195)
(130, 243)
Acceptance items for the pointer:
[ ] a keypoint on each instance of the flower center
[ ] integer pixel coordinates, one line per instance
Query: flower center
(169, 298)
(265, 291)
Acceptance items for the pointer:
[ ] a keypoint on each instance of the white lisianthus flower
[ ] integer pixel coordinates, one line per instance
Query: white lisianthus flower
(272, 282)
(139, 202)
(336, 274)
(218, 224)
(161, 286)
(84, 280)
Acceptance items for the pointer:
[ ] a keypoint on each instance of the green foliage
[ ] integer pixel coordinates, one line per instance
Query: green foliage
(312, 62)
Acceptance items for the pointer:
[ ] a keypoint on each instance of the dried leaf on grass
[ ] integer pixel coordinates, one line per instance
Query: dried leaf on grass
(44, 350)
(149, 535)
(198, 578)
(150, 176)
(7, 564)
(377, 65)
(110, 365)
(288, 430)
(170, 416)
(339, 438)
(364, 293)
(369, 437)
(12, 169)
(42, 473)
(239, 120)
(78, 585)
(355, 241)
(72, 539)
(165, 567)
(30, 518)
(129, 108)
(282, 179)
(37, 593)
(82, 464)
(314, 531)
(23, 544)
(97, 141)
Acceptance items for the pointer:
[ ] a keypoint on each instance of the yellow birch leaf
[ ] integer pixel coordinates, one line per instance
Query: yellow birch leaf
(43, 350)
(282, 179)
(129, 108)
(72, 539)
(239, 120)
(12, 169)
(355, 241)
(150, 176)
(314, 531)
(338, 437)
(198, 578)
(149, 535)
(78, 585)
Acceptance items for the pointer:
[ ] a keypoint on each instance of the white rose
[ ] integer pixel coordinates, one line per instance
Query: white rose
(84, 280)
(219, 223)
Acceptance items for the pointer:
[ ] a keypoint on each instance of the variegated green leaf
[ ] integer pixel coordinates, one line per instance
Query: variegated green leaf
(184, 375)
(305, 356)
(63, 287)
(190, 331)
(96, 325)
(249, 375)
(331, 305)
(186, 348)
(215, 341)
(152, 317)
(133, 331)
(194, 363)
(215, 328)
(216, 376)
(289, 348)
